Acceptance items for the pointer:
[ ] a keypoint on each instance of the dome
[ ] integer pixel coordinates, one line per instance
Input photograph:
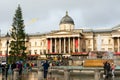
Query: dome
(67, 19)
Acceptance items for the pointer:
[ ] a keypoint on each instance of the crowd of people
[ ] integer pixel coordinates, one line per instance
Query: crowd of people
(109, 68)
(19, 66)
(58, 61)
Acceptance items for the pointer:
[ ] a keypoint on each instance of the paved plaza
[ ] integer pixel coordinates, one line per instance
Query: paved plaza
(59, 75)
(27, 76)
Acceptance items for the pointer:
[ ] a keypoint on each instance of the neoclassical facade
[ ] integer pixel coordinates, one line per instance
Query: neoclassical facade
(68, 40)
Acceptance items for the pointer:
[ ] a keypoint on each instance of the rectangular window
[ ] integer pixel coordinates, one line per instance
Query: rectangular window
(89, 42)
(40, 52)
(109, 42)
(29, 44)
(35, 43)
(44, 51)
(35, 51)
(0, 52)
(102, 41)
(29, 52)
(109, 49)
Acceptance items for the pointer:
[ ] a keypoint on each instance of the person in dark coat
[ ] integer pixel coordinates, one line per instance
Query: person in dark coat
(3, 69)
(45, 68)
(107, 69)
(13, 66)
(20, 66)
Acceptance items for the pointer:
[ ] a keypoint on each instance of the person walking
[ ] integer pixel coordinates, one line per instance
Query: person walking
(107, 69)
(3, 69)
(13, 66)
(20, 66)
(113, 69)
(45, 69)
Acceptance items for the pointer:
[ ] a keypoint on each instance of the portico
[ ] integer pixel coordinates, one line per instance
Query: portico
(65, 44)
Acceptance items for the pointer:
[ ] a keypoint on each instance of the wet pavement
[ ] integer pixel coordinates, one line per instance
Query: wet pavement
(81, 76)
(27, 76)
(57, 76)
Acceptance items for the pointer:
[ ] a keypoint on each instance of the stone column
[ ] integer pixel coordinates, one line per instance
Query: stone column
(73, 44)
(64, 46)
(113, 45)
(59, 45)
(118, 44)
(69, 44)
(55, 46)
(97, 74)
(78, 44)
(51, 45)
(46, 47)
(92, 45)
(66, 74)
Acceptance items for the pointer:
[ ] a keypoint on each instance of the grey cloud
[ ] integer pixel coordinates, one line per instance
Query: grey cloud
(88, 13)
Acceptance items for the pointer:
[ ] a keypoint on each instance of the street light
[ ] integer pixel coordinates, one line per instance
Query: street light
(7, 38)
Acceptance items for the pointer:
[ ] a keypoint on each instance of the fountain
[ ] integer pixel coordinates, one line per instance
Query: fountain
(97, 58)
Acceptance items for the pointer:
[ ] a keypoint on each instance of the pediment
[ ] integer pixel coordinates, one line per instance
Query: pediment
(116, 31)
(63, 32)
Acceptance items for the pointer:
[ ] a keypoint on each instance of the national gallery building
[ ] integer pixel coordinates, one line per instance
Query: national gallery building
(68, 40)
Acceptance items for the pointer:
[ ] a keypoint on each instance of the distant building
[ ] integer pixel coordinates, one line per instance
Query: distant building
(68, 40)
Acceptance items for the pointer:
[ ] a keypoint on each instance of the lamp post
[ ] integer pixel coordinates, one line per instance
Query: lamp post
(7, 37)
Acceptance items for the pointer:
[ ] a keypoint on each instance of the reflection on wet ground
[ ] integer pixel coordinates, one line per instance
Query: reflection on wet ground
(27, 76)
(58, 76)
(82, 76)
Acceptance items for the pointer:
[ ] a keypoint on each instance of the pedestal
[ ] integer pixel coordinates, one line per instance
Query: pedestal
(16, 74)
(40, 74)
(66, 74)
(97, 74)
(70, 62)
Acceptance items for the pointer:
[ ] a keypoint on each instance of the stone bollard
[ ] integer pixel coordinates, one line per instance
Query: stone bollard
(10, 73)
(66, 74)
(70, 62)
(97, 74)
(1, 76)
(15, 74)
(40, 74)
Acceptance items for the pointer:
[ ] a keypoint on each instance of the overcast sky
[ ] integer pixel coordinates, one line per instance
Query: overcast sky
(45, 15)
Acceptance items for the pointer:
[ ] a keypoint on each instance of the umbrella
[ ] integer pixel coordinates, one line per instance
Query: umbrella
(3, 63)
